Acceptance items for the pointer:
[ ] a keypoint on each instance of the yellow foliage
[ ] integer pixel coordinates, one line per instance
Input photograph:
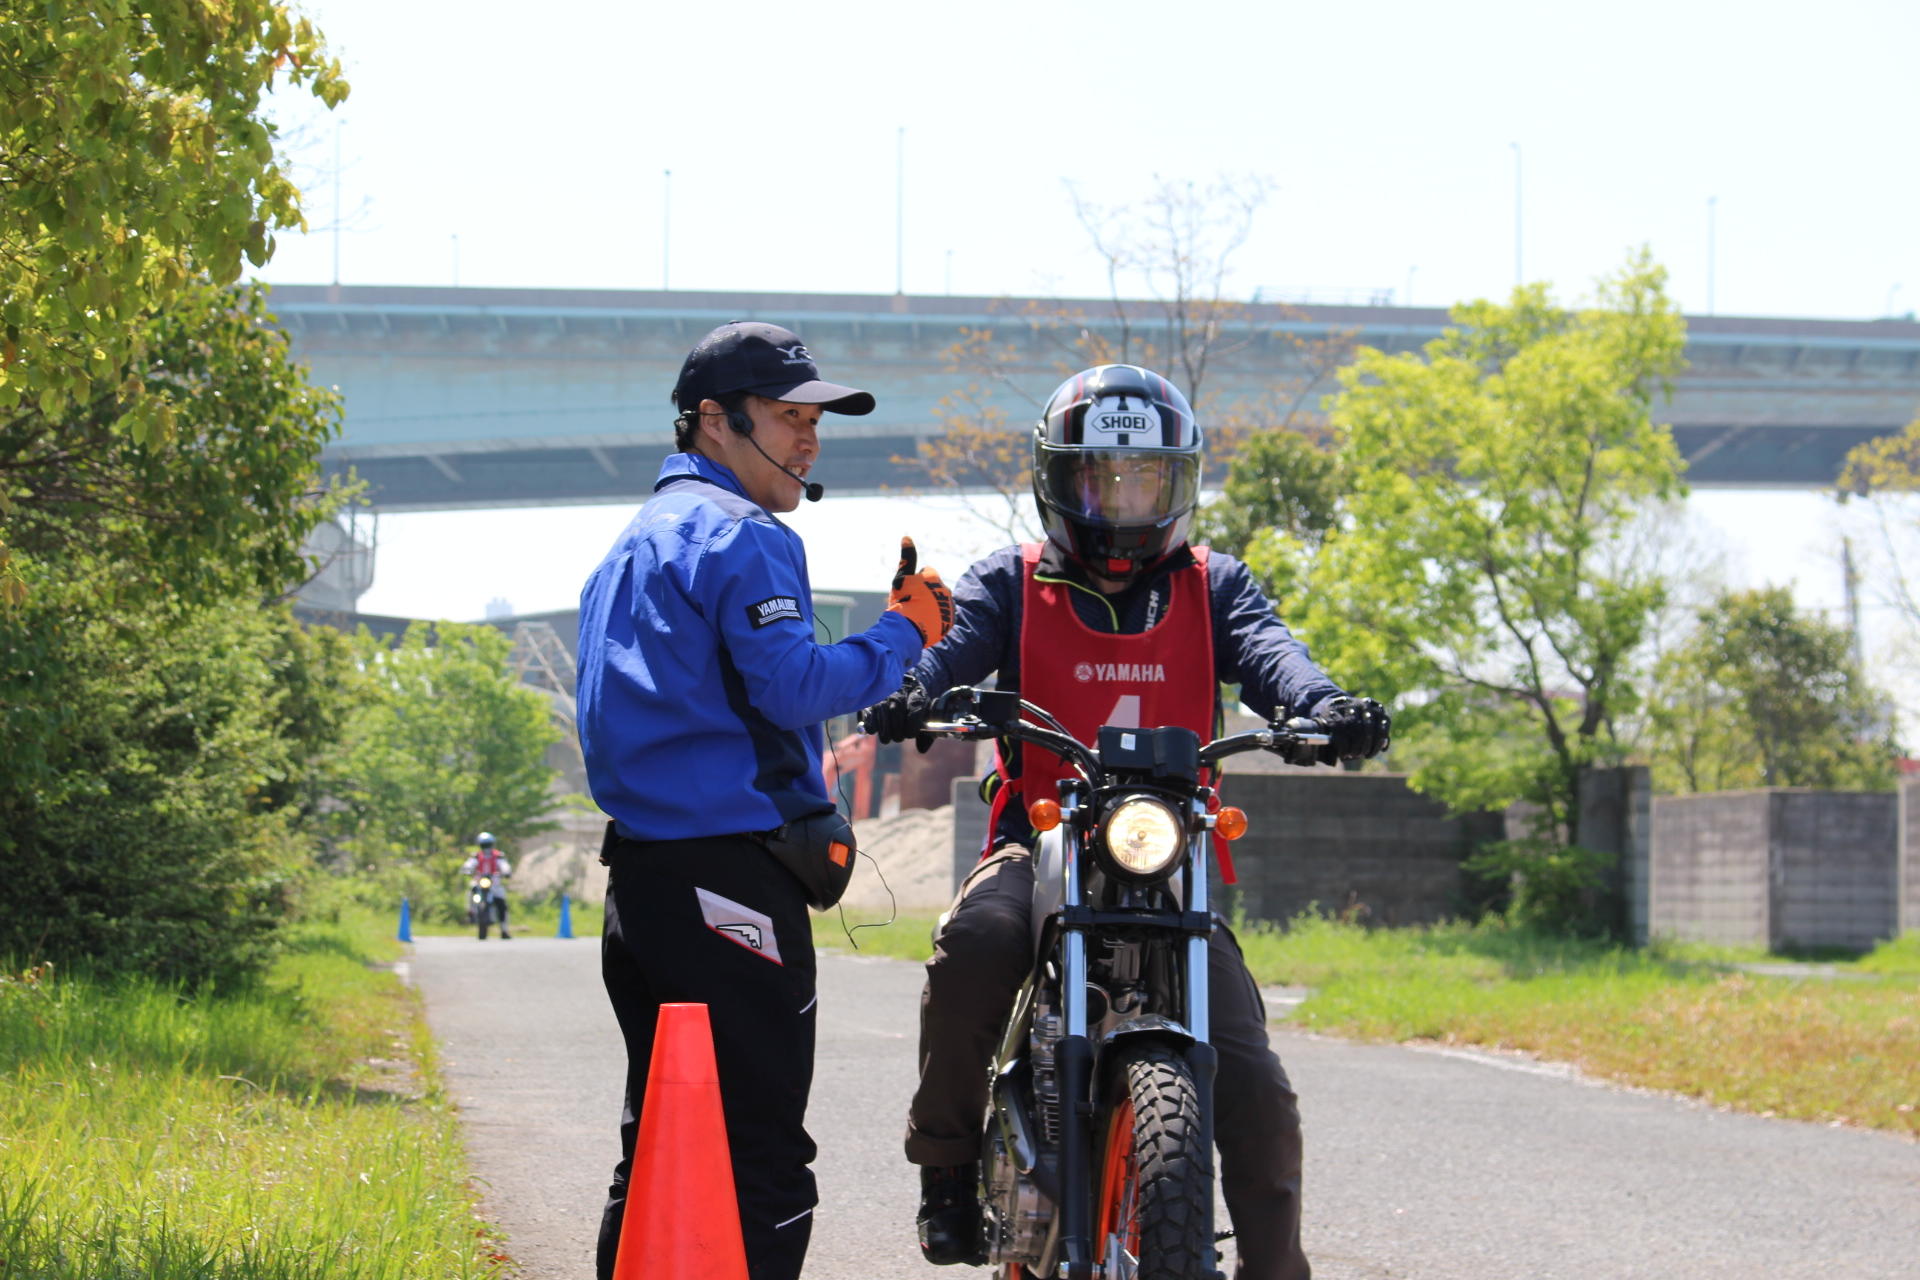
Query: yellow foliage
(1887, 464)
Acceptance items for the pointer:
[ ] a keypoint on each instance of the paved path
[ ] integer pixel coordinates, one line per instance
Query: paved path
(1427, 1164)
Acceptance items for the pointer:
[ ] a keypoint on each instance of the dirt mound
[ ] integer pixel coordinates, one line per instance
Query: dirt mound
(914, 850)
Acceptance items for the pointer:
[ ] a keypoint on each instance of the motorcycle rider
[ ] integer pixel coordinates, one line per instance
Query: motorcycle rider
(1101, 624)
(487, 860)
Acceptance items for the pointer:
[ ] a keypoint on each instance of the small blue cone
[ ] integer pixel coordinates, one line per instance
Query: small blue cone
(566, 918)
(406, 921)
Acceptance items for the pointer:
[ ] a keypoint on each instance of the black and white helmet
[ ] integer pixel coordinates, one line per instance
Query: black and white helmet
(1116, 468)
(485, 840)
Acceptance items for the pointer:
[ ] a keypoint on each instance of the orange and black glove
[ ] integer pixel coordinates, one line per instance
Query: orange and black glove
(921, 598)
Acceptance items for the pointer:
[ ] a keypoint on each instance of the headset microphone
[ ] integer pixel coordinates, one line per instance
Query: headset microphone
(813, 491)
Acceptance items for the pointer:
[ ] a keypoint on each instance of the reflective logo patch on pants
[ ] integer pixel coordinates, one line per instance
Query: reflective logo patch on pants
(739, 924)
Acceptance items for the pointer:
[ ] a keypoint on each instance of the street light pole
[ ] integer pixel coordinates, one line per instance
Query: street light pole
(1519, 274)
(337, 125)
(1712, 248)
(900, 211)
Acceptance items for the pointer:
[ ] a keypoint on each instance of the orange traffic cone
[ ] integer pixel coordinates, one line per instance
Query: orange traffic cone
(682, 1220)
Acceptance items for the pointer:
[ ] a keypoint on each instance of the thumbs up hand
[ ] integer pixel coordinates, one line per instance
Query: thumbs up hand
(921, 597)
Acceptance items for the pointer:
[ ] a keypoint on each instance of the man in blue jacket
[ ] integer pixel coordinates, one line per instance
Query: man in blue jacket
(1114, 619)
(701, 696)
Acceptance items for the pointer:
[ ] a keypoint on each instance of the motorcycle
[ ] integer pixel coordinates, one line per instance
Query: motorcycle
(1097, 1151)
(480, 904)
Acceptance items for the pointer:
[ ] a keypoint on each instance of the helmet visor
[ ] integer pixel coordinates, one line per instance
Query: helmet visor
(1119, 487)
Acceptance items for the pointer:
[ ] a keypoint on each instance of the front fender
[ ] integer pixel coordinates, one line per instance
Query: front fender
(1147, 1026)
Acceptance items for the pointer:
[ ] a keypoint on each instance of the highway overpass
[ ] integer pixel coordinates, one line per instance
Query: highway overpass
(519, 397)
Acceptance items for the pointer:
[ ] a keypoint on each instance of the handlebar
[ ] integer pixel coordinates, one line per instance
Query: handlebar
(992, 714)
(1281, 738)
(1060, 743)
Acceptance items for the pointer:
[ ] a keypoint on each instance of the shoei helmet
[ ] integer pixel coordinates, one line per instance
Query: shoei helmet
(1116, 468)
(484, 839)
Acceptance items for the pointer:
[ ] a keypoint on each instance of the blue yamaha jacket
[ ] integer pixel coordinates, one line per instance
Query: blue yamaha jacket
(702, 689)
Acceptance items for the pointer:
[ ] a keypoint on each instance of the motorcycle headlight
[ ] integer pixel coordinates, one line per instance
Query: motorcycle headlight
(486, 882)
(1142, 836)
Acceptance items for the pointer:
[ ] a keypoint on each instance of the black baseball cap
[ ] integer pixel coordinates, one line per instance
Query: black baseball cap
(766, 360)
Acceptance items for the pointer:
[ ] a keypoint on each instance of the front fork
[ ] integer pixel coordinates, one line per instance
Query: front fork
(1075, 1058)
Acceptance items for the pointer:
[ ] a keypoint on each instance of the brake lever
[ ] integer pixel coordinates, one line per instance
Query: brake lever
(1298, 740)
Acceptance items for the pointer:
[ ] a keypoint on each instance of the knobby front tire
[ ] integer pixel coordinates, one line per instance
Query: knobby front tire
(1156, 1194)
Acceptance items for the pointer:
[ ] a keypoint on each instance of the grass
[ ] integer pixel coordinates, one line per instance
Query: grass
(280, 1134)
(1672, 1017)
(907, 937)
(1664, 1017)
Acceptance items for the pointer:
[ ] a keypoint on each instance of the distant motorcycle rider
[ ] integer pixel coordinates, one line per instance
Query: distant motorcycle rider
(1114, 619)
(487, 861)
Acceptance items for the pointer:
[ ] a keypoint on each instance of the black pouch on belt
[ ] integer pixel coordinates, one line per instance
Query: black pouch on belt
(818, 848)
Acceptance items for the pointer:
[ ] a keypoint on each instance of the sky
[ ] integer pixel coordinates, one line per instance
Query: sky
(1762, 151)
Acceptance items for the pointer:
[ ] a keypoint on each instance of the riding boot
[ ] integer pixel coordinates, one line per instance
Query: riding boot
(951, 1230)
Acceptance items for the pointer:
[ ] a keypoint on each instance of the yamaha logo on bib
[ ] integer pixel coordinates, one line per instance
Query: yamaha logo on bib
(1117, 419)
(1131, 672)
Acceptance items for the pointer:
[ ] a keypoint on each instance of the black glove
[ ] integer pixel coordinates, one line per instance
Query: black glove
(900, 716)
(1360, 728)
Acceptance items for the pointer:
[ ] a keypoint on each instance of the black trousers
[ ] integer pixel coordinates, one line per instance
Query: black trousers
(981, 956)
(718, 922)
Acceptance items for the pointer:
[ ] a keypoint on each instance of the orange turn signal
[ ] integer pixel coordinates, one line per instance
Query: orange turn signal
(1231, 823)
(1044, 814)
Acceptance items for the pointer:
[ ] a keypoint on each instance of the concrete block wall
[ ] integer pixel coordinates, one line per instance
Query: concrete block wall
(1708, 878)
(1835, 857)
(1908, 887)
(1776, 868)
(1339, 841)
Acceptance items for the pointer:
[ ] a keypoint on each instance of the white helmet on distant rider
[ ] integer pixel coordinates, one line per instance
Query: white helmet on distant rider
(1116, 468)
(485, 840)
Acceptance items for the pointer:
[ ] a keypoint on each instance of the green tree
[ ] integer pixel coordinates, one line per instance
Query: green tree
(1763, 695)
(220, 506)
(450, 743)
(152, 814)
(1282, 481)
(161, 727)
(1478, 579)
(135, 160)
(134, 167)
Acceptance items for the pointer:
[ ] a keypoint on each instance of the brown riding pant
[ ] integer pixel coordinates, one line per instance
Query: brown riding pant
(980, 958)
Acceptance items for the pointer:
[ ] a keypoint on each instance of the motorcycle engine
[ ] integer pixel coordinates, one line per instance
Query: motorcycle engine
(1021, 1217)
(1042, 1040)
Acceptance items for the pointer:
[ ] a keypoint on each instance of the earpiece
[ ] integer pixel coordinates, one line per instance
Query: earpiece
(743, 425)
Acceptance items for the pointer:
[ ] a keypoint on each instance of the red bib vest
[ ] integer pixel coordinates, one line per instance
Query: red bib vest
(486, 862)
(1086, 678)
